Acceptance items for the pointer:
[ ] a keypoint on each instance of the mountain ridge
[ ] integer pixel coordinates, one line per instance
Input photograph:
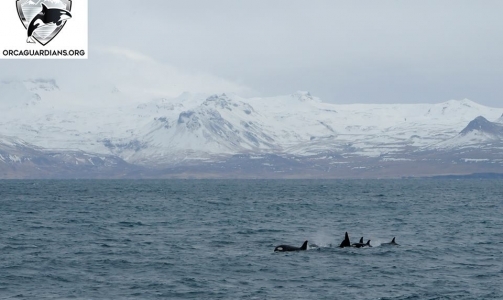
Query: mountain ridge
(208, 131)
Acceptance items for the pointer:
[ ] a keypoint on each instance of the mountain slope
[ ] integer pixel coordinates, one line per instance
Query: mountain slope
(19, 159)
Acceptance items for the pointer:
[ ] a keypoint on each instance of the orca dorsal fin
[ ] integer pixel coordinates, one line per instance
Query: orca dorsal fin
(361, 240)
(393, 240)
(304, 246)
(44, 8)
(368, 243)
(346, 242)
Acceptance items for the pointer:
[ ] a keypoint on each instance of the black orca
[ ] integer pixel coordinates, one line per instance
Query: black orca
(392, 243)
(361, 244)
(284, 248)
(361, 240)
(48, 16)
(346, 242)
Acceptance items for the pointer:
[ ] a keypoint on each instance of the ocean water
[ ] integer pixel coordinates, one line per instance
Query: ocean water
(209, 239)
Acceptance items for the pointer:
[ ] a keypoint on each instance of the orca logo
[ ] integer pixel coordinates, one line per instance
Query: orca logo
(43, 19)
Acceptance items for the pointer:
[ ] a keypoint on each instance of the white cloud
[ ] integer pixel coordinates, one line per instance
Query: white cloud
(139, 75)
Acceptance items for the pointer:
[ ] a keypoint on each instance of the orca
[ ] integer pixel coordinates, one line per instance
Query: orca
(285, 248)
(361, 244)
(392, 243)
(48, 16)
(361, 240)
(346, 242)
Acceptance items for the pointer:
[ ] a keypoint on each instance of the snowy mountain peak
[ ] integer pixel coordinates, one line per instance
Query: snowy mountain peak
(31, 3)
(224, 102)
(481, 124)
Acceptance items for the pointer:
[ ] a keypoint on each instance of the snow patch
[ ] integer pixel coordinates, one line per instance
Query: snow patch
(14, 158)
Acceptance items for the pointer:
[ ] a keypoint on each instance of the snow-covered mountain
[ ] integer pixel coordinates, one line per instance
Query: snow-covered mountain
(31, 3)
(215, 130)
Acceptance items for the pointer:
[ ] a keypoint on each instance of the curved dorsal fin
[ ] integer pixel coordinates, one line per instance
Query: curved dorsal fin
(44, 8)
(304, 246)
(393, 240)
(361, 240)
(368, 243)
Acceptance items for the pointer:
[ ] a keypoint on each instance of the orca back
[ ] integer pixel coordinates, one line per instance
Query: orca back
(392, 243)
(287, 248)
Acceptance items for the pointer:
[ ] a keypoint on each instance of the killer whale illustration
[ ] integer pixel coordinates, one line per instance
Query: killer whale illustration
(48, 16)
(285, 248)
(392, 243)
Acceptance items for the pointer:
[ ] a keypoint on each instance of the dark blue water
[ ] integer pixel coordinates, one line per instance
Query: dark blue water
(215, 239)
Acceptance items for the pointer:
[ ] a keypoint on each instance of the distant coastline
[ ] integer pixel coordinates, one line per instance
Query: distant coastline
(471, 176)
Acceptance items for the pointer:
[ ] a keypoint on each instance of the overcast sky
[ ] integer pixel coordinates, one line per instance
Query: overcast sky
(341, 51)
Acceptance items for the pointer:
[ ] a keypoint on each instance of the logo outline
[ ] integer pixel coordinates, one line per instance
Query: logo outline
(40, 3)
